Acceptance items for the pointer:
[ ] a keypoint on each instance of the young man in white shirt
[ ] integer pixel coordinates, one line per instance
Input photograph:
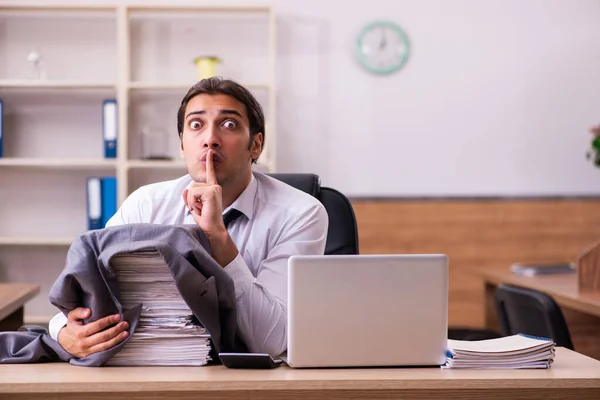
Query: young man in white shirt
(221, 130)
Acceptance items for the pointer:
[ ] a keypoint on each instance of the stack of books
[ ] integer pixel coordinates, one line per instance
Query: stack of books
(510, 352)
(167, 333)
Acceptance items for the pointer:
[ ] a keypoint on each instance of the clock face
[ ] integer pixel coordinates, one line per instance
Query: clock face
(382, 47)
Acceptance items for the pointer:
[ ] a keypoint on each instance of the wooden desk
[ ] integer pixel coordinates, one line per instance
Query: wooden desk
(581, 310)
(572, 376)
(13, 297)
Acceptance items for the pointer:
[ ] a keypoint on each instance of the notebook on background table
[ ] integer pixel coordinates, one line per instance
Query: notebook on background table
(540, 269)
(367, 310)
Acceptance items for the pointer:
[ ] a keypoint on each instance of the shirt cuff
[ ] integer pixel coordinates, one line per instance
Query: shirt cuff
(241, 275)
(56, 324)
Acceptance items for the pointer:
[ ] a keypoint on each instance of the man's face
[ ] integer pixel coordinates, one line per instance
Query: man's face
(218, 122)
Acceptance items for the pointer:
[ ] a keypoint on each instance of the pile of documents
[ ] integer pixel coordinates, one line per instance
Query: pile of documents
(510, 352)
(167, 333)
(530, 270)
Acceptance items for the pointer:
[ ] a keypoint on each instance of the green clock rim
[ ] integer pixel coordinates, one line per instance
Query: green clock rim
(386, 24)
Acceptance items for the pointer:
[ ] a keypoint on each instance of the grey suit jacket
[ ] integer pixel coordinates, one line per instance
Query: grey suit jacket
(88, 281)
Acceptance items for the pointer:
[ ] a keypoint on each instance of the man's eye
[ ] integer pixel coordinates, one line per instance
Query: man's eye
(195, 125)
(230, 124)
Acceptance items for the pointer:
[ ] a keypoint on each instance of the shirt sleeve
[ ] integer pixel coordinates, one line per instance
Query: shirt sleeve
(133, 210)
(261, 301)
(56, 324)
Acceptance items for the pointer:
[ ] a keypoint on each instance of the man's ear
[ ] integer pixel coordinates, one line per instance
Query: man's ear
(256, 148)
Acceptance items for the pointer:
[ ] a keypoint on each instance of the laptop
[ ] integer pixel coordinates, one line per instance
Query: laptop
(367, 310)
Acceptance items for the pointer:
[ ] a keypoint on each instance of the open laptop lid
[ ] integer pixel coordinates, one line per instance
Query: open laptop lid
(367, 310)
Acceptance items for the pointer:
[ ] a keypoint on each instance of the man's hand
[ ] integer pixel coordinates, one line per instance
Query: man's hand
(82, 340)
(205, 201)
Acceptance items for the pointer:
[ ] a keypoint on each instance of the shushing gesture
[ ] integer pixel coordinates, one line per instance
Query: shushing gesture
(205, 201)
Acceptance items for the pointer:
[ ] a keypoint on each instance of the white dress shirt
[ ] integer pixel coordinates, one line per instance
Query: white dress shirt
(278, 221)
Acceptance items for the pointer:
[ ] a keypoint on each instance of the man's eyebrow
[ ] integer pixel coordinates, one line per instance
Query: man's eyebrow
(235, 112)
(221, 112)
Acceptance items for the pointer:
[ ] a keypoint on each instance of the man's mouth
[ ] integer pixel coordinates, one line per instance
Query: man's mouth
(215, 158)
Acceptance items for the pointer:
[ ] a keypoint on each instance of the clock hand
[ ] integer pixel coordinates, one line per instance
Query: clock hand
(382, 41)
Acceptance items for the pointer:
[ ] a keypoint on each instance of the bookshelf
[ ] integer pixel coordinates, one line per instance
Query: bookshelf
(31, 84)
(56, 163)
(140, 55)
(36, 241)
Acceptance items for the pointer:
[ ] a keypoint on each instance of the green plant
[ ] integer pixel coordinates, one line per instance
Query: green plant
(594, 152)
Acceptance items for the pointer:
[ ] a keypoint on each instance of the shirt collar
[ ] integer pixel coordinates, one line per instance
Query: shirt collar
(244, 202)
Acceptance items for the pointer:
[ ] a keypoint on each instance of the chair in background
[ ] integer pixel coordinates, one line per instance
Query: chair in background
(528, 311)
(459, 333)
(342, 236)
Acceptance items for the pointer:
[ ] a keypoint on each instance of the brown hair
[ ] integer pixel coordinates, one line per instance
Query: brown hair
(219, 85)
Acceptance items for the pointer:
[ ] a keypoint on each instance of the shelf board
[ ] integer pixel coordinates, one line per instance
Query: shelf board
(183, 86)
(196, 9)
(54, 84)
(41, 7)
(64, 163)
(156, 164)
(37, 240)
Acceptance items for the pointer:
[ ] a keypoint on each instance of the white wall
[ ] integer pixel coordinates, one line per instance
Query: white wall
(496, 98)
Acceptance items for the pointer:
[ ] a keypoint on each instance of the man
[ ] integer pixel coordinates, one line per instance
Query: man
(221, 131)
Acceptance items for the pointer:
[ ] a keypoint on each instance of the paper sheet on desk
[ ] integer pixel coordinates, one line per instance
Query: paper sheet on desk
(511, 352)
(167, 332)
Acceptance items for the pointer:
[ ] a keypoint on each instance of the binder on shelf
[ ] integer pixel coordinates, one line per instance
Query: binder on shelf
(1, 124)
(109, 127)
(109, 198)
(101, 200)
(94, 203)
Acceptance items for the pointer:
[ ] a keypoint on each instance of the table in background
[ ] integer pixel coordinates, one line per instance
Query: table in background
(13, 297)
(581, 310)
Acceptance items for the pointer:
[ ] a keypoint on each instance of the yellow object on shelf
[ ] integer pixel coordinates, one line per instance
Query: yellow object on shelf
(206, 66)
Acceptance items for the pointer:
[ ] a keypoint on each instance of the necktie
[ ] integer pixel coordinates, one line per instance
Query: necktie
(231, 216)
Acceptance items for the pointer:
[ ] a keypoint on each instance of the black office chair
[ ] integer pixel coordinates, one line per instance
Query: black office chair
(342, 236)
(528, 311)
(465, 333)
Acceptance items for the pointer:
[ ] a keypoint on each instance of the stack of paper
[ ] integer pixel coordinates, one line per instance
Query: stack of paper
(167, 332)
(530, 270)
(511, 352)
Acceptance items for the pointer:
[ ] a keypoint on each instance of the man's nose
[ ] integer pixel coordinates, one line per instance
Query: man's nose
(212, 138)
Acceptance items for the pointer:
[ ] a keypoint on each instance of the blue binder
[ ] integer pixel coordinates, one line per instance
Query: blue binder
(1, 124)
(109, 198)
(109, 127)
(94, 203)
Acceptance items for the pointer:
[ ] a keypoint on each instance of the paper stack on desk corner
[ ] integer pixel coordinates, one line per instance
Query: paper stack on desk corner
(510, 352)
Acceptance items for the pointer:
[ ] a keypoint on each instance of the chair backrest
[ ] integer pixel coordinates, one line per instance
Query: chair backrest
(528, 311)
(342, 236)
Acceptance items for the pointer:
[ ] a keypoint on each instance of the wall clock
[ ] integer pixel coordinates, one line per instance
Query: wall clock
(382, 47)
